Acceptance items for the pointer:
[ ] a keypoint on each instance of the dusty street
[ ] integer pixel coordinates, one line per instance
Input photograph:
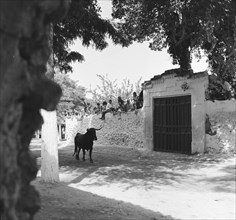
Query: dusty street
(124, 183)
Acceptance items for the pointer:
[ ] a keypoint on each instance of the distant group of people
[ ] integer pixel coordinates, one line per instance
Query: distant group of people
(135, 103)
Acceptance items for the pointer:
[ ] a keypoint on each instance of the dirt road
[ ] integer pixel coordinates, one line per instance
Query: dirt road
(125, 183)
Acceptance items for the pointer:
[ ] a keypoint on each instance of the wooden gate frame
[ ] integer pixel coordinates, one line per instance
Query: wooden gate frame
(169, 85)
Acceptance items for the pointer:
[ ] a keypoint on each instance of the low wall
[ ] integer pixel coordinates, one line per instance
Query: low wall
(77, 124)
(127, 131)
(220, 106)
(222, 115)
(224, 123)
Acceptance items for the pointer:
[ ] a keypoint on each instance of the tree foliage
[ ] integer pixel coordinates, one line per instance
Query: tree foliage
(111, 90)
(180, 25)
(83, 22)
(219, 89)
(220, 46)
(72, 96)
(184, 27)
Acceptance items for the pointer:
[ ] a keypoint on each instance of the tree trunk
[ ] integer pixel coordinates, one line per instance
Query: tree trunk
(49, 150)
(49, 147)
(24, 27)
(59, 132)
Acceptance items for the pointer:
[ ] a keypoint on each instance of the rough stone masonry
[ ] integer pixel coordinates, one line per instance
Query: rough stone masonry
(24, 32)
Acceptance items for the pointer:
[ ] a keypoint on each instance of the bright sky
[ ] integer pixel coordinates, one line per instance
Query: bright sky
(119, 63)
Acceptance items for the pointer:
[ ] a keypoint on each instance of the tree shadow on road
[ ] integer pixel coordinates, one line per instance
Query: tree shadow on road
(60, 201)
(113, 164)
(226, 182)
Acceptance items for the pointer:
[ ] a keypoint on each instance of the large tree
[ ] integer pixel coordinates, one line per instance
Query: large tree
(183, 26)
(49, 150)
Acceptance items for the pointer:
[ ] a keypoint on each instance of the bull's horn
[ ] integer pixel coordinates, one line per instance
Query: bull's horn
(97, 129)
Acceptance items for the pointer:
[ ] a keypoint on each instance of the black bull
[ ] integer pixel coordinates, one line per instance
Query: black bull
(85, 142)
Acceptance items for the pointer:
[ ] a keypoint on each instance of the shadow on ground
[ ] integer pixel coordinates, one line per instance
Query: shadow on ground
(113, 164)
(74, 204)
(172, 184)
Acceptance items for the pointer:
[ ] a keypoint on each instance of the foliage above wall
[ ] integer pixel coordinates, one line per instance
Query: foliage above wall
(72, 98)
(184, 27)
(219, 89)
(111, 90)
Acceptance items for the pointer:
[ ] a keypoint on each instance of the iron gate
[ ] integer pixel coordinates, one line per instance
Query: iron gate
(172, 124)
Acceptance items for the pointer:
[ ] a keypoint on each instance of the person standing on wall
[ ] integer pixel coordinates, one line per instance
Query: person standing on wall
(104, 108)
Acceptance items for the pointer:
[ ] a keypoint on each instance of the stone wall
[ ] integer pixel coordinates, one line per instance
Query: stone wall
(222, 116)
(76, 124)
(221, 106)
(127, 131)
(24, 27)
(224, 141)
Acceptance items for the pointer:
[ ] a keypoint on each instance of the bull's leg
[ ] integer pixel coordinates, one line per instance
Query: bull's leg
(83, 154)
(90, 155)
(77, 154)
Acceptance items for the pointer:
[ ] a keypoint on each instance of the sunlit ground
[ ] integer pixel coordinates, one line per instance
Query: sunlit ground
(180, 186)
(191, 196)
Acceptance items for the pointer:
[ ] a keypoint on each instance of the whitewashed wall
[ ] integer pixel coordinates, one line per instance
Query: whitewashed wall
(220, 106)
(125, 131)
(75, 125)
(222, 115)
(169, 86)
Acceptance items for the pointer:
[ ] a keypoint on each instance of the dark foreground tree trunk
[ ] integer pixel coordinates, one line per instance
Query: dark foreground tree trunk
(24, 90)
